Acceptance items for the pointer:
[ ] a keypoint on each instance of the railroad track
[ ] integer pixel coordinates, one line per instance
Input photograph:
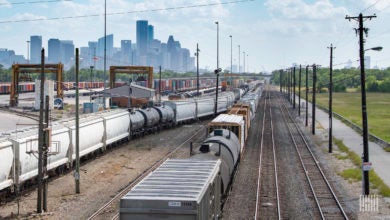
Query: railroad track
(267, 198)
(110, 209)
(327, 204)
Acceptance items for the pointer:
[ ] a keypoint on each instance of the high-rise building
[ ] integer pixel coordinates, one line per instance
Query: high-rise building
(35, 49)
(126, 54)
(150, 34)
(109, 51)
(67, 52)
(54, 51)
(92, 55)
(142, 37)
(109, 46)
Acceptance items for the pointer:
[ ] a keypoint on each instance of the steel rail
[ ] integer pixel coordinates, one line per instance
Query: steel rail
(139, 178)
(261, 156)
(301, 135)
(275, 166)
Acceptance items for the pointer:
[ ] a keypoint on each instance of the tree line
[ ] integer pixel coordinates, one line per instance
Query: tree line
(376, 80)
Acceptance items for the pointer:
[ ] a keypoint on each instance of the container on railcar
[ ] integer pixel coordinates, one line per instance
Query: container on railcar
(177, 189)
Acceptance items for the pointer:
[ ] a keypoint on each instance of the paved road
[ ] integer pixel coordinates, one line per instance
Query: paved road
(9, 121)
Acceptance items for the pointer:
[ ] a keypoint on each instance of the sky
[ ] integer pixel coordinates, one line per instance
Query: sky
(274, 34)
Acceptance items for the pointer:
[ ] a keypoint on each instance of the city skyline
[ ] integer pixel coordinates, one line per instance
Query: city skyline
(273, 34)
(147, 52)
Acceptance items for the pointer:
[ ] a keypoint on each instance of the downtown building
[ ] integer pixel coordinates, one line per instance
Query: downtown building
(61, 51)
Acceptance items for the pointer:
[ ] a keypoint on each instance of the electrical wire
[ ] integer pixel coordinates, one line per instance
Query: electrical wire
(33, 2)
(127, 12)
(370, 6)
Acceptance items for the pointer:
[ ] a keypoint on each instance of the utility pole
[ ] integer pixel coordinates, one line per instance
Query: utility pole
(105, 54)
(90, 92)
(361, 30)
(197, 69)
(307, 96)
(294, 85)
(77, 171)
(45, 153)
(41, 137)
(289, 85)
(280, 80)
(313, 104)
(330, 96)
(299, 90)
(159, 84)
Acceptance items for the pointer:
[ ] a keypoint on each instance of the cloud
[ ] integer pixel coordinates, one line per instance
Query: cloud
(296, 17)
(298, 9)
(381, 5)
(5, 4)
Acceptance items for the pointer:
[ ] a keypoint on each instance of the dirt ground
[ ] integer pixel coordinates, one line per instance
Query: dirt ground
(101, 178)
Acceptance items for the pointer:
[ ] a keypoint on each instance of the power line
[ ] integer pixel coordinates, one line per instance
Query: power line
(370, 6)
(127, 12)
(33, 2)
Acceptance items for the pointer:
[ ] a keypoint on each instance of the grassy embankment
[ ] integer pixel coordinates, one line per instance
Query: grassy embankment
(355, 174)
(349, 106)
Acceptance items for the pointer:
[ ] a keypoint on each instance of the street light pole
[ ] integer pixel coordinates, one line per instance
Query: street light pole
(231, 59)
(239, 62)
(91, 86)
(197, 69)
(28, 51)
(105, 53)
(365, 169)
(244, 62)
(217, 71)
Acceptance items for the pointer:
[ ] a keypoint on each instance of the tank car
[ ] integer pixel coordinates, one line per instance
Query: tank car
(137, 122)
(166, 115)
(221, 144)
(151, 119)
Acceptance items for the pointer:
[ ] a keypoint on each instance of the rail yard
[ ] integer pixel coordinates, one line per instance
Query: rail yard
(278, 172)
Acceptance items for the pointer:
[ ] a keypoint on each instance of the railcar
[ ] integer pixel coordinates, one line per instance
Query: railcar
(18, 148)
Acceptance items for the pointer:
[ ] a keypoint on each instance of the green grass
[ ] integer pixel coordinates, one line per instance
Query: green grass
(349, 106)
(355, 174)
(356, 160)
(387, 149)
(341, 157)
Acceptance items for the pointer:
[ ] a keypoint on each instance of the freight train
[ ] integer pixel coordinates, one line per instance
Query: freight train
(195, 188)
(19, 148)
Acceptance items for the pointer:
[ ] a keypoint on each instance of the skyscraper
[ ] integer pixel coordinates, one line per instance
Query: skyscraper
(142, 37)
(150, 34)
(126, 55)
(54, 54)
(109, 50)
(67, 51)
(92, 56)
(35, 49)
